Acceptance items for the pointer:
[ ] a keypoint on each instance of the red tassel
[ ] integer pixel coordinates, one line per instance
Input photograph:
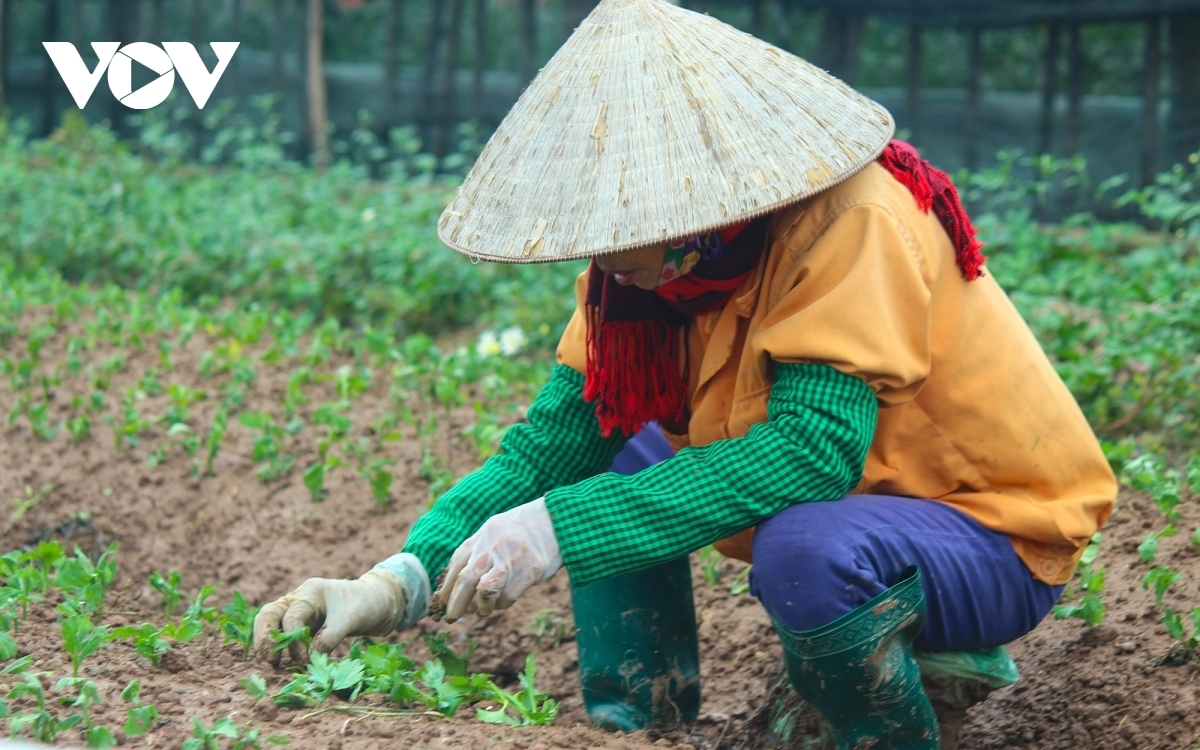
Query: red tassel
(932, 187)
(633, 372)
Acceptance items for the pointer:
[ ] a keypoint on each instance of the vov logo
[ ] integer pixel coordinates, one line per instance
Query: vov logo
(118, 61)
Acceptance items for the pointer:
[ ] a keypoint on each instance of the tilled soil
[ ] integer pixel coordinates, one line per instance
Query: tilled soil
(1115, 686)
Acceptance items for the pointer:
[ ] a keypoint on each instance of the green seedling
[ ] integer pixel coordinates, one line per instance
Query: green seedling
(39, 420)
(23, 504)
(1148, 549)
(37, 724)
(147, 640)
(80, 427)
(181, 399)
(209, 738)
(453, 662)
(212, 442)
(178, 434)
(268, 446)
(1161, 578)
(1173, 622)
(741, 582)
(314, 481)
(149, 383)
(81, 639)
(236, 623)
(85, 585)
(284, 640)
(1091, 607)
(142, 717)
(710, 565)
(255, 686)
(381, 483)
(1164, 485)
(86, 695)
(531, 706)
(169, 589)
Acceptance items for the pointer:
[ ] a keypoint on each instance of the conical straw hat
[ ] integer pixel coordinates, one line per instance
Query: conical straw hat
(654, 123)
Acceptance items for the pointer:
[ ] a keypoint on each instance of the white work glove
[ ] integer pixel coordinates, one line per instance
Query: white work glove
(512, 551)
(395, 593)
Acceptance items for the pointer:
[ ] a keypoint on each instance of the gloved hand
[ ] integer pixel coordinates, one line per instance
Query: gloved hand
(512, 551)
(394, 593)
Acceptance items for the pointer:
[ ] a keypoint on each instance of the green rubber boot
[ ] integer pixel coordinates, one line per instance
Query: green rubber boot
(639, 655)
(860, 674)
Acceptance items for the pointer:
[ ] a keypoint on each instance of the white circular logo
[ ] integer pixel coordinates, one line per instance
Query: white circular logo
(120, 75)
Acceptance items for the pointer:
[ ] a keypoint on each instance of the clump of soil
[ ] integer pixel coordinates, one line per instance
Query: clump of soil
(1113, 687)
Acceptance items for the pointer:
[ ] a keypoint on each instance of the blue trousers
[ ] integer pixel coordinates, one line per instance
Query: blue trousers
(814, 562)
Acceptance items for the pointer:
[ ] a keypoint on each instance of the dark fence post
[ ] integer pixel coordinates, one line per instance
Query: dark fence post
(1151, 72)
(841, 36)
(1074, 89)
(913, 82)
(1049, 89)
(391, 62)
(318, 108)
(1183, 31)
(448, 113)
(49, 87)
(974, 74)
(527, 55)
(479, 17)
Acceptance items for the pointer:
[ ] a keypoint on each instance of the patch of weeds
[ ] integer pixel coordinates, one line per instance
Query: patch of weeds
(549, 625)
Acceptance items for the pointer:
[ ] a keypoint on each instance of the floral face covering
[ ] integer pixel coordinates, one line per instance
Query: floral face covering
(680, 259)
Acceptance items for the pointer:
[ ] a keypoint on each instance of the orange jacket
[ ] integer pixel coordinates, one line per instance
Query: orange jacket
(971, 411)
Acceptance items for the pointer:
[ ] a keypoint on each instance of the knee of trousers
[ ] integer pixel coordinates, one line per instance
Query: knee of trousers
(804, 571)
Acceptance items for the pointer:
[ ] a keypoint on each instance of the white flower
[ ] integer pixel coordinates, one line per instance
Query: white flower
(488, 345)
(368, 215)
(512, 340)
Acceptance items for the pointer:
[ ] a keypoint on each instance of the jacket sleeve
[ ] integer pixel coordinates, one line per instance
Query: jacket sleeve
(813, 446)
(560, 444)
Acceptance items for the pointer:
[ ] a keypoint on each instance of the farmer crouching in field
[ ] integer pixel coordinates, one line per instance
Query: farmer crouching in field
(787, 341)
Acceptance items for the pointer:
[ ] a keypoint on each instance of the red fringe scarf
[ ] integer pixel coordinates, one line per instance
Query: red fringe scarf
(636, 369)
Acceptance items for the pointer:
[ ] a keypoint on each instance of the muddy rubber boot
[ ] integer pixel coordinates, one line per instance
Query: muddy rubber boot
(957, 680)
(639, 655)
(860, 674)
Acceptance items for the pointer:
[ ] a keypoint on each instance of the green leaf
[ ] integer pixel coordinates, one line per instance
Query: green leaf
(140, 720)
(255, 686)
(8, 647)
(99, 737)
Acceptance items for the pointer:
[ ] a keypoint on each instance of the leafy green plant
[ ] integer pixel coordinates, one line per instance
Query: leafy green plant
(710, 565)
(1173, 622)
(80, 427)
(255, 686)
(1091, 607)
(741, 582)
(212, 441)
(1161, 578)
(531, 706)
(37, 723)
(86, 695)
(141, 718)
(85, 585)
(268, 446)
(147, 638)
(81, 639)
(169, 589)
(236, 623)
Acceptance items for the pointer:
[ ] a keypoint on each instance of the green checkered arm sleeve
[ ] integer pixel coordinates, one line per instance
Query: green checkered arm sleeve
(559, 445)
(813, 446)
